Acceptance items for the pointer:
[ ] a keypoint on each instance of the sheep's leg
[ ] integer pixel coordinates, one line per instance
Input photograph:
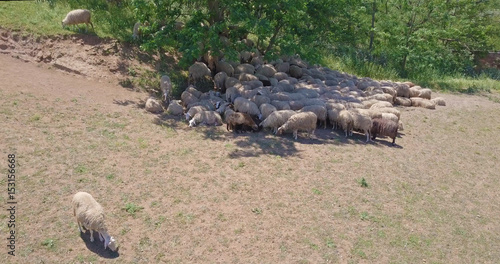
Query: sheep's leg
(101, 237)
(295, 134)
(91, 235)
(79, 226)
(367, 137)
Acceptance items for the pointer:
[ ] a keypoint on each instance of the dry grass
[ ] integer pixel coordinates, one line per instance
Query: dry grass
(178, 195)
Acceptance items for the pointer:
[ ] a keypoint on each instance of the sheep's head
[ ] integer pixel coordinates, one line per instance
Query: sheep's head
(280, 131)
(187, 117)
(192, 123)
(110, 242)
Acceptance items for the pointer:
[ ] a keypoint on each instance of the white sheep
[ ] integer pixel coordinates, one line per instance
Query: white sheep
(319, 110)
(219, 80)
(266, 110)
(194, 110)
(276, 119)
(90, 214)
(421, 102)
(246, 106)
(305, 121)
(381, 104)
(209, 118)
(333, 117)
(77, 16)
(346, 122)
(362, 122)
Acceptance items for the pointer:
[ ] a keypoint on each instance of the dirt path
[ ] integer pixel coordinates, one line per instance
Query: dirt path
(178, 195)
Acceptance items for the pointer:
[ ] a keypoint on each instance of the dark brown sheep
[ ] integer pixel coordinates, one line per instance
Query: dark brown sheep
(384, 127)
(240, 120)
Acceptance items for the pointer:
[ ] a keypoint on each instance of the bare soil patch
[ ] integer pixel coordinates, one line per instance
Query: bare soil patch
(179, 195)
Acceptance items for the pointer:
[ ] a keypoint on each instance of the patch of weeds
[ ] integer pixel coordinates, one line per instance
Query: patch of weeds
(257, 210)
(81, 169)
(329, 243)
(35, 117)
(365, 216)
(124, 231)
(132, 72)
(363, 183)
(185, 218)
(239, 231)
(132, 208)
(82, 180)
(221, 217)
(316, 191)
(240, 165)
(50, 244)
(161, 220)
(110, 176)
(126, 83)
(142, 143)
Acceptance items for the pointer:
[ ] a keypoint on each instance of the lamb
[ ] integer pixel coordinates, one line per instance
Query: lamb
(194, 110)
(242, 120)
(137, 31)
(166, 87)
(77, 16)
(90, 214)
(246, 106)
(276, 119)
(319, 110)
(305, 121)
(384, 127)
(209, 118)
(362, 122)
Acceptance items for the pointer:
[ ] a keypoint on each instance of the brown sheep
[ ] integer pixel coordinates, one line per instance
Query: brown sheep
(240, 120)
(384, 127)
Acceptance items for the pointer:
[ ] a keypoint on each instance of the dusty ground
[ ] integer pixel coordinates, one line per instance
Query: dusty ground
(178, 195)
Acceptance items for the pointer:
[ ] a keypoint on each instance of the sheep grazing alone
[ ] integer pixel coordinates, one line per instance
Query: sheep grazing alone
(209, 118)
(277, 119)
(242, 121)
(384, 127)
(305, 121)
(90, 214)
(78, 16)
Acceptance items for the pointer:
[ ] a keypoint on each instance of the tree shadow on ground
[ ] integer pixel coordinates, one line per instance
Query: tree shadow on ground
(97, 246)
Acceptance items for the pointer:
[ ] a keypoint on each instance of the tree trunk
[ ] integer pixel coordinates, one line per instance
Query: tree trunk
(372, 32)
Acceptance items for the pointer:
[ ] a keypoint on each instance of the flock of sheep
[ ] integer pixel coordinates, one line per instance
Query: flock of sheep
(286, 95)
(252, 94)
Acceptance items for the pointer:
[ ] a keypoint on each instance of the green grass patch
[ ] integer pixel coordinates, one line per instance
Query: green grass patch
(44, 18)
(39, 18)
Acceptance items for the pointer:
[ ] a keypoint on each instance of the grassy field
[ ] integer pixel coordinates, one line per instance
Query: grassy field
(42, 18)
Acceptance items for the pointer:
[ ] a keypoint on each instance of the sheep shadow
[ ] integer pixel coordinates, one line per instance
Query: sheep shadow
(125, 102)
(97, 246)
